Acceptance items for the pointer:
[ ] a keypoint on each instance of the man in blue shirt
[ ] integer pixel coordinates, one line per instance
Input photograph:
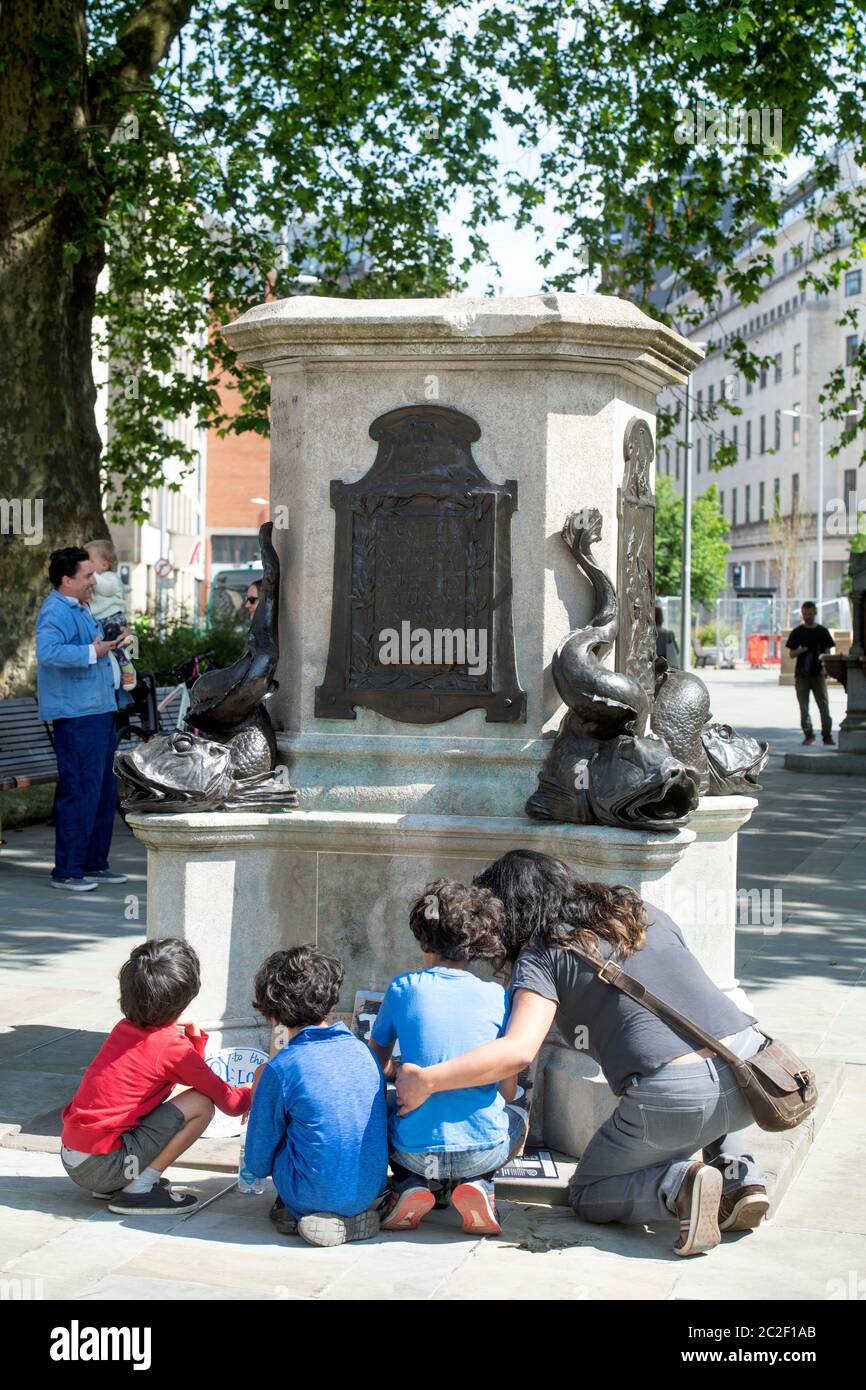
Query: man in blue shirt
(76, 687)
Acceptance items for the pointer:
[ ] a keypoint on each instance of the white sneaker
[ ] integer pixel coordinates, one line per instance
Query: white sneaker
(75, 885)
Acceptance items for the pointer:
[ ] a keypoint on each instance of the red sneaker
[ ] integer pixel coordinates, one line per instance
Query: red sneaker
(809, 738)
(829, 740)
(477, 1205)
(407, 1208)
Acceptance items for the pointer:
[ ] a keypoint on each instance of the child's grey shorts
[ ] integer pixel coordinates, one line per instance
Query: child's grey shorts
(139, 1147)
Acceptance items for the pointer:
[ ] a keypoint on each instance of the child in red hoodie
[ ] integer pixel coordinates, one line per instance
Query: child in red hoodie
(120, 1130)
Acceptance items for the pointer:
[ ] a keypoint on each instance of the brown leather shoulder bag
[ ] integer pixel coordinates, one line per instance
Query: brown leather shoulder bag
(779, 1088)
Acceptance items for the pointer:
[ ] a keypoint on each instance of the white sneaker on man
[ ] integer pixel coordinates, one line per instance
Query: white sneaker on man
(75, 885)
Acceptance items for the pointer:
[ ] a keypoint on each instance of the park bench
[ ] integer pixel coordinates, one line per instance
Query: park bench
(702, 656)
(27, 757)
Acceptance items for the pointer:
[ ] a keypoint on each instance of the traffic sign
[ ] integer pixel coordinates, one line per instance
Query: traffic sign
(162, 569)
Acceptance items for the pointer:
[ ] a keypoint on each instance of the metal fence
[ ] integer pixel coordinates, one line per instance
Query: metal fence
(725, 631)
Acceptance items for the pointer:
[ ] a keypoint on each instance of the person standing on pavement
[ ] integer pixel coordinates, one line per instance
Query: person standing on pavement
(807, 643)
(76, 685)
(666, 642)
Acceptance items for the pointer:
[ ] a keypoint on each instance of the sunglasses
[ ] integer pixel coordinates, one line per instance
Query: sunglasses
(251, 601)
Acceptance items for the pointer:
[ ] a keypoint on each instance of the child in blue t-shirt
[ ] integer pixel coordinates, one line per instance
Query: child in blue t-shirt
(457, 1140)
(318, 1122)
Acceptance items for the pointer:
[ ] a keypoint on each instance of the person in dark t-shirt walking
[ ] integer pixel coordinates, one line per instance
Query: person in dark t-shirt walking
(807, 643)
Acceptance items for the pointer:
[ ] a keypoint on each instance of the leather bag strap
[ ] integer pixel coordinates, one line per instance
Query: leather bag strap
(612, 974)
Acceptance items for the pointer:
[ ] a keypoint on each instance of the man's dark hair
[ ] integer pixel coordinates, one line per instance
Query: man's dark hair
(298, 987)
(64, 563)
(158, 982)
(458, 923)
(808, 604)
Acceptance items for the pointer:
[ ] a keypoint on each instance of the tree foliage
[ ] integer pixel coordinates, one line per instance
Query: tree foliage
(212, 151)
(709, 545)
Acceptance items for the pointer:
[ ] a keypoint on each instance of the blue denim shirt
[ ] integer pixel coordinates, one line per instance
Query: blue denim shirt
(69, 684)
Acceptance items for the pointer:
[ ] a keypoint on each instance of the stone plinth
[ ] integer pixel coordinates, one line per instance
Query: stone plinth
(552, 381)
(239, 885)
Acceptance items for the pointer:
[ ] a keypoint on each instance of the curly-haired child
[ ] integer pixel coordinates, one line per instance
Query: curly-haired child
(454, 1144)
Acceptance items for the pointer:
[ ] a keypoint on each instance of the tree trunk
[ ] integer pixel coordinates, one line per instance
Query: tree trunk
(49, 443)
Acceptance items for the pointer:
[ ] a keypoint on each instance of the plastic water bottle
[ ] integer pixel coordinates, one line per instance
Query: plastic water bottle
(247, 1182)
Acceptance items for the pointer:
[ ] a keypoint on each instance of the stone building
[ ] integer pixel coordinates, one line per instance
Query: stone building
(777, 434)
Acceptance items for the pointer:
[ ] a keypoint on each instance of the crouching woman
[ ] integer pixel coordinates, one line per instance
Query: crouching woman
(673, 1101)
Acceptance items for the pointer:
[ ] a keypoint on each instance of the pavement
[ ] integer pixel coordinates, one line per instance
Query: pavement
(804, 973)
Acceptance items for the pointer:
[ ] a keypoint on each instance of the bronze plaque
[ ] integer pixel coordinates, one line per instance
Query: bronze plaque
(421, 619)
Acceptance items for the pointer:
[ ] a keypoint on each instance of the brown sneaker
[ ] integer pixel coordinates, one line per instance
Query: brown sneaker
(744, 1208)
(698, 1210)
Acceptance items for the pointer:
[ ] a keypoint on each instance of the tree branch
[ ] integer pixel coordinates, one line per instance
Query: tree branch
(141, 47)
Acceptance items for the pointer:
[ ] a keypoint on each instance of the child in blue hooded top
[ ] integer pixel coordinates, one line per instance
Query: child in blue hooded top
(318, 1122)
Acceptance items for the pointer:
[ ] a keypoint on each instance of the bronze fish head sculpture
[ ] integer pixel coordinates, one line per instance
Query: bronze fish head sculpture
(177, 771)
(638, 782)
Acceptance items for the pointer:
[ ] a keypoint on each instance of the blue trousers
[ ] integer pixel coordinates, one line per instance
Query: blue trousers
(86, 794)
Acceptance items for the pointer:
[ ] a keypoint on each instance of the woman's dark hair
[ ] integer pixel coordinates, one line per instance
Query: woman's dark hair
(158, 982)
(63, 564)
(543, 899)
(298, 987)
(458, 922)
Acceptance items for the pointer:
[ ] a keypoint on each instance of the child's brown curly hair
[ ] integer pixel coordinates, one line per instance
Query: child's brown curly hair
(459, 923)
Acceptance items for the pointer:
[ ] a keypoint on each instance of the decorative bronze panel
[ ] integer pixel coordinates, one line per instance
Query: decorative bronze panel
(636, 643)
(421, 617)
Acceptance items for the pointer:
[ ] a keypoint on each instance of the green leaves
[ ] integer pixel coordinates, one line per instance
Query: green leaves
(709, 545)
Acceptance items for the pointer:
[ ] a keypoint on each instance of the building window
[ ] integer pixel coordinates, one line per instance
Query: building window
(796, 359)
(748, 439)
(763, 377)
(749, 385)
(733, 506)
(234, 550)
(853, 281)
(710, 449)
(777, 429)
(698, 455)
(711, 396)
(762, 502)
(778, 367)
(700, 403)
(722, 502)
(747, 518)
(736, 438)
(795, 424)
(762, 448)
(777, 496)
(677, 460)
(795, 492)
(851, 345)
(798, 254)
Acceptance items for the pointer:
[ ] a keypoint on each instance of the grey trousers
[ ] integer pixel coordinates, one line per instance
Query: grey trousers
(817, 686)
(633, 1166)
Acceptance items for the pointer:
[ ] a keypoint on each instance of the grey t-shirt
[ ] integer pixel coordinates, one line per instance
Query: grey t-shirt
(621, 1035)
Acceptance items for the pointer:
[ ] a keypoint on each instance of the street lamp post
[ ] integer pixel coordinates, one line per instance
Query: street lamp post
(686, 588)
(819, 548)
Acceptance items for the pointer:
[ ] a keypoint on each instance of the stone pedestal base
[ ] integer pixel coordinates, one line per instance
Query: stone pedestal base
(240, 885)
